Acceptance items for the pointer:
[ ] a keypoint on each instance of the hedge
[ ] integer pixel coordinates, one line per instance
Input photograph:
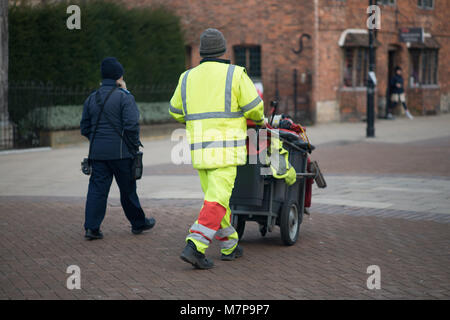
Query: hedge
(69, 117)
(147, 41)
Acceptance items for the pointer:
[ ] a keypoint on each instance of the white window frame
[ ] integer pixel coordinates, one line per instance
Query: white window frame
(421, 4)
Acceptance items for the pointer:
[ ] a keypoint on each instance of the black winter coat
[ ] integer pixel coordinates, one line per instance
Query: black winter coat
(123, 112)
(394, 81)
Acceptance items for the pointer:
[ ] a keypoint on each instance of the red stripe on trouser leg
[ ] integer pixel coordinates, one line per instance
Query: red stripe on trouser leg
(222, 239)
(211, 215)
(195, 231)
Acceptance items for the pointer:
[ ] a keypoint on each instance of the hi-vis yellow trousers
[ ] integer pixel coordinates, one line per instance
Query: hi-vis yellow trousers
(215, 216)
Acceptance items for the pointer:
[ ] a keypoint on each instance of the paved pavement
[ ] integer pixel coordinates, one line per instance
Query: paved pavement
(329, 261)
(387, 204)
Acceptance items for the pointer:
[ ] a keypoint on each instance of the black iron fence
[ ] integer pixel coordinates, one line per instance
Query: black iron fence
(294, 93)
(35, 107)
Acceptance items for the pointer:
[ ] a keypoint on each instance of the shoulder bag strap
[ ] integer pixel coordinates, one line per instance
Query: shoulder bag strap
(101, 105)
(131, 147)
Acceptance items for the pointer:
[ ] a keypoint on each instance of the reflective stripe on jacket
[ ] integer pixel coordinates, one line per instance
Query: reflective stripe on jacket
(214, 99)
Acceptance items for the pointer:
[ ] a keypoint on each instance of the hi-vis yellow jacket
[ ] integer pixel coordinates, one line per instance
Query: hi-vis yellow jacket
(214, 99)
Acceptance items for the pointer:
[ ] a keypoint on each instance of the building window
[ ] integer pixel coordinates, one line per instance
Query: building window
(424, 66)
(425, 4)
(249, 57)
(356, 61)
(387, 2)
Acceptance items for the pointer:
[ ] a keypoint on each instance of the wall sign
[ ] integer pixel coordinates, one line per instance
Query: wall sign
(411, 35)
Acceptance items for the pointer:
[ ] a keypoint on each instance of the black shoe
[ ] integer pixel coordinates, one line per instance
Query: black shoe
(149, 223)
(93, 234)
(237, 253)
(191, 255)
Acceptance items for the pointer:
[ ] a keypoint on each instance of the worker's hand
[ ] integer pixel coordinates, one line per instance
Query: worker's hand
(264, 125)
(121, 83)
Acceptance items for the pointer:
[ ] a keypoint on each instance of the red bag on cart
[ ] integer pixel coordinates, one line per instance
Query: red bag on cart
(308, 191)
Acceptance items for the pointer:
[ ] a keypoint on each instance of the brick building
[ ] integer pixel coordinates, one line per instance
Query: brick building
(324, 77)
(315, 52)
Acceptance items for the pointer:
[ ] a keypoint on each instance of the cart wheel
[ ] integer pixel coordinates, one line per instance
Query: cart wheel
(240, 226)
(289, 223)
(263, 229)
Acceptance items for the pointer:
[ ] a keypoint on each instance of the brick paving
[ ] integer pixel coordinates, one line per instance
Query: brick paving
(382, 213)
(423, 158)
(41, 237)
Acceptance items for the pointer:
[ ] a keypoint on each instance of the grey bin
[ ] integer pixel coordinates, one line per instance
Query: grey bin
(270, 201)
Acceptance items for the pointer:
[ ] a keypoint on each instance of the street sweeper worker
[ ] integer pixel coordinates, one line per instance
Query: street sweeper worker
(215, 99)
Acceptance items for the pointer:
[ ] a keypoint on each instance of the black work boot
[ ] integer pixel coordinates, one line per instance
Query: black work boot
(237, 253)
(191, 255)
(149, 223)
(93, 234)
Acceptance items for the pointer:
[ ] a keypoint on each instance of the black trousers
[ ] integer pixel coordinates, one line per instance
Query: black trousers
(99, 185)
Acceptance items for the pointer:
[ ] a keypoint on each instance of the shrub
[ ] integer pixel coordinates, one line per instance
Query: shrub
(69, 117)
(147, 41)
(50, 66)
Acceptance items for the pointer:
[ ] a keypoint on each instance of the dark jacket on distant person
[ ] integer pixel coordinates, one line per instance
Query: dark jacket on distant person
(123, 112)
(397, 79)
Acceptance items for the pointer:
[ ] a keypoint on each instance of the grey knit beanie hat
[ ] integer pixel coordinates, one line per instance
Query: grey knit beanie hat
(212, 43)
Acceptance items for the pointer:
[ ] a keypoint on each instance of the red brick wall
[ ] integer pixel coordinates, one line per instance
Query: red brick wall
(423, 101)
(274, 25)
(277, 25)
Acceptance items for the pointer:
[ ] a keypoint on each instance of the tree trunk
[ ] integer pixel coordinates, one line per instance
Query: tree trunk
(5, 126)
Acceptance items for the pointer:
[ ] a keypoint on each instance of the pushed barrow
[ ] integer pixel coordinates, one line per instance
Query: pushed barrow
(258, 196)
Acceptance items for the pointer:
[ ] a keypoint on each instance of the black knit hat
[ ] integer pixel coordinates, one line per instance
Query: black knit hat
(111, 68)
(212, 43)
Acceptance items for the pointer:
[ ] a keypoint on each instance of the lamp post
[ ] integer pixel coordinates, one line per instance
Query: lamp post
(371, 83)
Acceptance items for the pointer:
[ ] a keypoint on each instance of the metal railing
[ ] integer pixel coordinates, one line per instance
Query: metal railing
(30, 106)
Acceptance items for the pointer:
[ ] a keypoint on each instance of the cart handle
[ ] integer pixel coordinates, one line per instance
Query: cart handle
(271, 130)
(306, 175)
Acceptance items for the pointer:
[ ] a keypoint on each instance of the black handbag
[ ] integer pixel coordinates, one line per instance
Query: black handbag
(137, 167)
(86, 166)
